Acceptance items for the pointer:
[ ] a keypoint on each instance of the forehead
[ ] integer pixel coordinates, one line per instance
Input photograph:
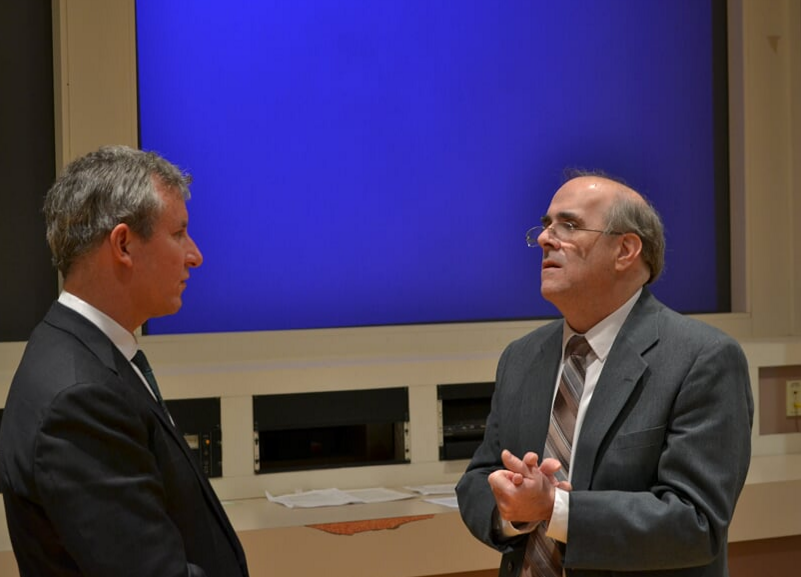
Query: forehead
(583, 197)
(173, 205)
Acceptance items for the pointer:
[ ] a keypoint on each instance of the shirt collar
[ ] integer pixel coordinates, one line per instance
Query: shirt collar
(602, 336)
(122, 339)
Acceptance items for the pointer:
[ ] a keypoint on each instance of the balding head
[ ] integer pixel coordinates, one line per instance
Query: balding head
(628, 211)
(602, 243)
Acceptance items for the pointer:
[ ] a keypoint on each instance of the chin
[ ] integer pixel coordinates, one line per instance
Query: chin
(551, 294)
(546, 290)
(168, 310)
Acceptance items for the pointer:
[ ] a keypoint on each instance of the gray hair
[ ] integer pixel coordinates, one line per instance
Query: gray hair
(113, 185)
(628, 214)
(633, 214)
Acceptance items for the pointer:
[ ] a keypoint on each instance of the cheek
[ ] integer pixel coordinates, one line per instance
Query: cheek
(167, 264)
(174, 256)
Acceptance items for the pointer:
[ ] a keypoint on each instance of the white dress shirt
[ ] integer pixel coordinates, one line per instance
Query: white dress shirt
(122, 339)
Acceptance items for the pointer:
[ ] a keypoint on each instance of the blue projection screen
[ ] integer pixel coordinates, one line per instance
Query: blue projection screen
(361, 163)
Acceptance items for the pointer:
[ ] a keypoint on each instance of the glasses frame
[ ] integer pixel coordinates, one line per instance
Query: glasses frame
(567, 229)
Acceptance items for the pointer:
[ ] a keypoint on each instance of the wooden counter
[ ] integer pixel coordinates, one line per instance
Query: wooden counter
(413, 538)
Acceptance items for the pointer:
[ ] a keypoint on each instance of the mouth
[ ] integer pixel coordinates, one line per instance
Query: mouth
(548, 264)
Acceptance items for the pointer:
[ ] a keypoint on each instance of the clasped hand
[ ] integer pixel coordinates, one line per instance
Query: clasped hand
(524, 491)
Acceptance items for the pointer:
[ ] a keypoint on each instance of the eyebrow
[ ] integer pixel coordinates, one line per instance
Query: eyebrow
(562, 216)
(182, 225)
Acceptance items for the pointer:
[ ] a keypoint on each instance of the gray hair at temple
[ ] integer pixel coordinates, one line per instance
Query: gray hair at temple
(113, 185)
(627, 214)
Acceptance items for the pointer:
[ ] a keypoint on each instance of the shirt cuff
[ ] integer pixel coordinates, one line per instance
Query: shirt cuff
(507, 529)
(557, 528)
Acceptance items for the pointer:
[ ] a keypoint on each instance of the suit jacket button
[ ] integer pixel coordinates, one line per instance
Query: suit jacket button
(510, 566)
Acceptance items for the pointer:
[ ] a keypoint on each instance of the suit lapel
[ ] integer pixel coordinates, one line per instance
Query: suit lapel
(536, 394)
(211, 497)
(172, 431)
(67, 320)
(622, 372)
(107, 353)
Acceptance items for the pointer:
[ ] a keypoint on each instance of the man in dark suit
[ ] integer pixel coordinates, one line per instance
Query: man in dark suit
(95, 478)
(660, 447)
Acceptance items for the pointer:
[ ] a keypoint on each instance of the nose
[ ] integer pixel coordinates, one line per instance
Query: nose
(194, 258)
(548, 238)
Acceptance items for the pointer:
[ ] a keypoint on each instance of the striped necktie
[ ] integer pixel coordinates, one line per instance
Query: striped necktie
(543, 558)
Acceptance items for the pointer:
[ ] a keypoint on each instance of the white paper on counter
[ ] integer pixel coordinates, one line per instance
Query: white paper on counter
(335, 497)
(442, 489)
(444, 501)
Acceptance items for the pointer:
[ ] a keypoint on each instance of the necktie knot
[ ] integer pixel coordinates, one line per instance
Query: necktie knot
(577, 346)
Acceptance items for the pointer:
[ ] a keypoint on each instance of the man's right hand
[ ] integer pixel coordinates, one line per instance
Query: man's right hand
(524, 491)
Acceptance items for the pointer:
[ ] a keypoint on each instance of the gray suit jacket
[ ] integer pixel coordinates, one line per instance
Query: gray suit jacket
(663, 452)
(95, 479)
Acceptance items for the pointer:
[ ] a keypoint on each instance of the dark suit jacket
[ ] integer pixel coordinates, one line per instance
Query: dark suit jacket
(95, 479)
(663, 451)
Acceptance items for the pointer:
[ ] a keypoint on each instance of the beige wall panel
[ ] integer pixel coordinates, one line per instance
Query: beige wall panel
(97, 74)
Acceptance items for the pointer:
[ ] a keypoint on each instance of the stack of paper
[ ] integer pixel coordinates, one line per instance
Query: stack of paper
(333, 497)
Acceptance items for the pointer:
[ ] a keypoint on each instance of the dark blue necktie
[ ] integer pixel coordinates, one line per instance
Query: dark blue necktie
(140, 360)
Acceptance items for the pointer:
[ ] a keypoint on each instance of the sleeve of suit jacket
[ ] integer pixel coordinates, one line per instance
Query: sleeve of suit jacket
(476, 501)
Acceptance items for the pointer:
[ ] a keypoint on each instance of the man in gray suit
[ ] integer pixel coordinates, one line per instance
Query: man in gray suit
(95, 477)
(660, 447)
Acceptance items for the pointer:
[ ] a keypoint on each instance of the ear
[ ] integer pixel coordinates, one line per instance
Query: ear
(629, 251)
(120, 240)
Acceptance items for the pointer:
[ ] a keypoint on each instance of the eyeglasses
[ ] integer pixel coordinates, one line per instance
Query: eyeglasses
(561, 231)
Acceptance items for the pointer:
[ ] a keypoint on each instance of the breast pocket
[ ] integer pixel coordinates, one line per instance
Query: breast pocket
(639, 439)
(630, 461)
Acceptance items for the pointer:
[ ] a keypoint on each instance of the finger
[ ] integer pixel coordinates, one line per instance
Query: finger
(508, 477)
(564, 485)
(501, 479)
(501, 488)
(550, 466)
(531, 459)
(512, 463)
